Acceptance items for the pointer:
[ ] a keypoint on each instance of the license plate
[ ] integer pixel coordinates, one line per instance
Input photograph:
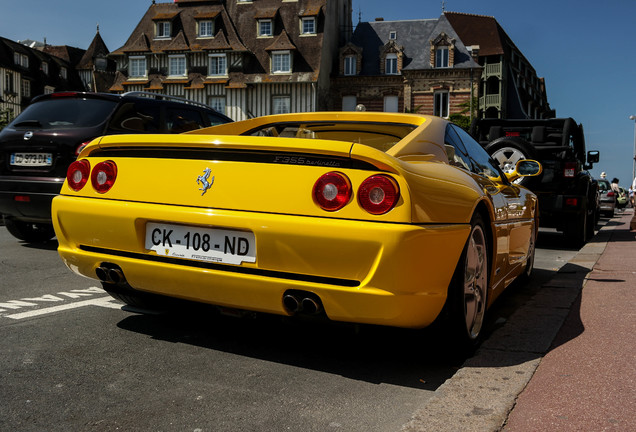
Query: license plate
(31, 159)
(201, 244)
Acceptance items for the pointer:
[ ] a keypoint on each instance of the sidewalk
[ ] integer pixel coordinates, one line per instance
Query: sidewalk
(587, 381)
(565, 361)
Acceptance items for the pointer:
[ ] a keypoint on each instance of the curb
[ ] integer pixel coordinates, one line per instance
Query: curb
(484, 390)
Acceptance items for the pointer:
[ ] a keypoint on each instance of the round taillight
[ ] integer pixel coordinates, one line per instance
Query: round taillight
(77, 174)
(332, 191)
(103, 176)
(378, 194)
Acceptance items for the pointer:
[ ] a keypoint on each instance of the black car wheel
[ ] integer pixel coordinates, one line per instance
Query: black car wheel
(29, 232)
(577, 231)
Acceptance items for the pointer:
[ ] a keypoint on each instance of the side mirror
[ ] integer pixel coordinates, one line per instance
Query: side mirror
(525, 168)
(593, 156)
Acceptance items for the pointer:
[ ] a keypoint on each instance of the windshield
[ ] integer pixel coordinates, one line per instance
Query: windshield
(64, 113)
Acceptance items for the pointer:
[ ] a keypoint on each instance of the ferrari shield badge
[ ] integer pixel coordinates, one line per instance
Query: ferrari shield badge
(204, 182)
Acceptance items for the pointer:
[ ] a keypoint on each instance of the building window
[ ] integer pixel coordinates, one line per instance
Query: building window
(163, 29)
(308, 26)
(350, 63)
(349, 103)
(48, 89)
(441, 104)
(217, 64)
(281, 62)
(8, 82)
(390, 64)
(137, 67)
(441, 57)
(206, 28)
(21, 59)
(265, 27)
(177, 65)
(26, 88)
(63, 73)
(393, 35)
(217, 103)
(390, 104)
(16, 58)
(45, 68)
(281, 104)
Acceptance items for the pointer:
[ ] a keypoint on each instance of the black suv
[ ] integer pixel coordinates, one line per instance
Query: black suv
(568, 194)
(38, 146)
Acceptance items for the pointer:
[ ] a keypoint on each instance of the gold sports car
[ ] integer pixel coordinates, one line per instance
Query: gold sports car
(378, 218)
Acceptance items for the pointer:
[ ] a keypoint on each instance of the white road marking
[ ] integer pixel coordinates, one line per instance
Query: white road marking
(106, 302)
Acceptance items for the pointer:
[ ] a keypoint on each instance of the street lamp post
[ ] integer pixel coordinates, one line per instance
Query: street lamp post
(633, 117)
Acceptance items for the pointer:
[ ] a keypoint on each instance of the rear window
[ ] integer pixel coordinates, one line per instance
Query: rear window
(65, 113)
(381, 136)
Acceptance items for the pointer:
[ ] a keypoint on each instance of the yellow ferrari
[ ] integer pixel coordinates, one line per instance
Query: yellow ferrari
(378, 218)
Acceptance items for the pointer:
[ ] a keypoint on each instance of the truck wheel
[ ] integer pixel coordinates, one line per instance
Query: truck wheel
(577, 231)
(507, 151)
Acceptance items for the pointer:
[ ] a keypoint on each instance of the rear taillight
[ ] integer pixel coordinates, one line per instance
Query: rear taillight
(571, 202)
(570, 169)
(80, 147)
(332, 191)
(610, 194)
(77, 174)
(378, 194)
(103, 176)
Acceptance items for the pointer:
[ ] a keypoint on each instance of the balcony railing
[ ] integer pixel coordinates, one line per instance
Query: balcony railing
(493, 69)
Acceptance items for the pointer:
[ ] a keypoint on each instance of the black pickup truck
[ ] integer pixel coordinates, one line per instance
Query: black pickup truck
(568, 194)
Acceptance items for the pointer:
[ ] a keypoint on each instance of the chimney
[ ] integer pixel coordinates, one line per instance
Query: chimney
(379, 19)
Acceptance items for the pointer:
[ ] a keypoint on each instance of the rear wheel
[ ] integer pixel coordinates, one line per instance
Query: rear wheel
(576, 232)
(468, 292)
(29, 232)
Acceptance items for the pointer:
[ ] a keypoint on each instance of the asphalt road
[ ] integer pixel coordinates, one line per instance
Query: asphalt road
(71, 359)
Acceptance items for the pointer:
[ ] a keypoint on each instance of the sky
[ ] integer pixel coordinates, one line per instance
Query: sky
(584, 49)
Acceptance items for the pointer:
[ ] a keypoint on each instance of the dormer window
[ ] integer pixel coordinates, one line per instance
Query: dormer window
(281, 62)
(45, 68)
(392, 35)
(63, 73)
(206, 28)
(350, 63)
(441, 57)
(265, 28)
(163, 29)
(391, 64)
(308, 26)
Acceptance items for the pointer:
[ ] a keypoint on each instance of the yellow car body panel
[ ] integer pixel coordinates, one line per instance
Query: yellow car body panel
(389, 269)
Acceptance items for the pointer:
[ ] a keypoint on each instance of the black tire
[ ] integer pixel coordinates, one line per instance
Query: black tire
(468, 291)
(576, 231)
(29, 232)
(507, 151)
(592, 219)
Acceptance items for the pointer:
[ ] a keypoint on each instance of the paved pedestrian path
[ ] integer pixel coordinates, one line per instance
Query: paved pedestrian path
(587, 380)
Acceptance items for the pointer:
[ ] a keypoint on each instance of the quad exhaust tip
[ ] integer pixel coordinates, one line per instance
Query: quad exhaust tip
(302, 302)
(110, 273)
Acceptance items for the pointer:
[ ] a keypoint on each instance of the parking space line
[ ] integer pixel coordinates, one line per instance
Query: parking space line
(107, 302)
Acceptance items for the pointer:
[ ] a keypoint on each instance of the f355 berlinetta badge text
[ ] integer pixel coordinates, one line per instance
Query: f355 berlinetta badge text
(203, 180)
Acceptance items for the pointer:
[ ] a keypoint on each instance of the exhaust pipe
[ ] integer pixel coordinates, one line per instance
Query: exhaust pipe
(110, 273)
(311, 306)
(291, 303)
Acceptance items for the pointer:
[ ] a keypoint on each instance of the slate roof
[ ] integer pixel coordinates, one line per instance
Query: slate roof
(97, 48)
(414, 36)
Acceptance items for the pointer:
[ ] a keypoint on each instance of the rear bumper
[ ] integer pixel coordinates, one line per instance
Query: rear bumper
(365, 272)
(28, 198)
(557, 211)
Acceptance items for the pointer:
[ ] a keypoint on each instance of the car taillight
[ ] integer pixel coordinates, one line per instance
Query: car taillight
(570, 169)
(332, 191)
(77, 174)
(103, 176)
(610, 194)
(80, 147)
(571, 202)
(378, 194)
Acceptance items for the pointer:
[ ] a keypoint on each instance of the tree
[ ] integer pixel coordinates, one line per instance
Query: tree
(461, 119)
(5, 117)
